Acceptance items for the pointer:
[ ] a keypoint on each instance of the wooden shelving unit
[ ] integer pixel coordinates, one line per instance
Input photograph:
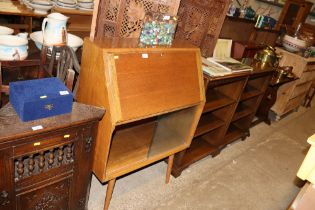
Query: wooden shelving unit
(250, 100)
(154, 98)
(231, 104)
(222, 96)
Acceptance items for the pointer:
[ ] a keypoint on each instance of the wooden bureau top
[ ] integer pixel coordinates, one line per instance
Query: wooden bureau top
(126, 43)
(12, 127)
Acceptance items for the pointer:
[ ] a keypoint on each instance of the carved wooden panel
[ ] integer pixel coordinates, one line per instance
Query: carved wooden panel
(42, 161)
(200, 22)
(51, 197)
(6, 180)
(123, 18)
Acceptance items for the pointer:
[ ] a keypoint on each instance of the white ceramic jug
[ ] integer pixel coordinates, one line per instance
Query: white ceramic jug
(54, 29)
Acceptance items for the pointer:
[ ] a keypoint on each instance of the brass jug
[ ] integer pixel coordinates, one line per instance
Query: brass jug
(268, 56)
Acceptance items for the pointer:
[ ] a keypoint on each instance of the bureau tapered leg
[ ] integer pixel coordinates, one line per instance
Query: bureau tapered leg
(109, 193)
(169, 168)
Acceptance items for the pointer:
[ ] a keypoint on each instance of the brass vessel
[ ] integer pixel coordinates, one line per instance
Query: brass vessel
(268, 57)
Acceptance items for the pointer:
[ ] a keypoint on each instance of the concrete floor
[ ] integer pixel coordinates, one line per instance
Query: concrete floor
(256, 174)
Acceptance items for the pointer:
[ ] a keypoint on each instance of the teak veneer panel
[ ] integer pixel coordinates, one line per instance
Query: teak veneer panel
(169, 71)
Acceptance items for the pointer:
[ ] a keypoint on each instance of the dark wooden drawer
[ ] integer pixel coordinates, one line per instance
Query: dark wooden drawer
(46, 142)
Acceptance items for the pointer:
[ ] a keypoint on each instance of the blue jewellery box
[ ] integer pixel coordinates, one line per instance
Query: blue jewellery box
(40, 98)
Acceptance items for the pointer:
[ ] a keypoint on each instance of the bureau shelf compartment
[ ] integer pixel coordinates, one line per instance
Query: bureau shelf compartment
(140, 143)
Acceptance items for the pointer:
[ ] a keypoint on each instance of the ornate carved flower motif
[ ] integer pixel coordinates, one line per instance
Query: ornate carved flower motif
(135, 11)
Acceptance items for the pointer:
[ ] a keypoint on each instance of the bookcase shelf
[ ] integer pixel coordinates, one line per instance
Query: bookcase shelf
(222, 95)
(232, 134)
(153, 98)
(250, 92)
(241, 111)
(215, 100)
(231, 104)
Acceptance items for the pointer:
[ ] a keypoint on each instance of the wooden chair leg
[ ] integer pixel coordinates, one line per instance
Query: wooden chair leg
(169, 168)
(109, 193)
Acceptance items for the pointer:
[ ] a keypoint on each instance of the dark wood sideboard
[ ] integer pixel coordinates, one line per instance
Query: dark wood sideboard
(49, 168)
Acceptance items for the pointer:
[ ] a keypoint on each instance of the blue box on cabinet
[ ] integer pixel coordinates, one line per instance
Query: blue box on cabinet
(40, 98)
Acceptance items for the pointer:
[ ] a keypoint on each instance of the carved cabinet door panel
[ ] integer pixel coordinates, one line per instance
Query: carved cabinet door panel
(55, 196)
(6, 179)
(82, 171)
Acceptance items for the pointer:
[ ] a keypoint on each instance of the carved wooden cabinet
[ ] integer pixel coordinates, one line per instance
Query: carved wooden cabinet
(48, 168)
(153, 97)
(292, 94)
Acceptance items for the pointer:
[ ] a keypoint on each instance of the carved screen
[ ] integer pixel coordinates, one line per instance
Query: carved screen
(123, 18)
(200, 22)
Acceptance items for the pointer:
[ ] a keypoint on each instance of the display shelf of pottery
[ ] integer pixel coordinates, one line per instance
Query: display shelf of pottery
(85, 5)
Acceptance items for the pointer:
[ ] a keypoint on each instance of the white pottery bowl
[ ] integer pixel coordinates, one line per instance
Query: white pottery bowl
(40, 8)
(5, 30)
(87, 5)
(293, 44)
(13, 48)
(73, 41)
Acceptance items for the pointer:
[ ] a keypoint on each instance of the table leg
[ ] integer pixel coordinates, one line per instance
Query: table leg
(169, 168)
(109, 193)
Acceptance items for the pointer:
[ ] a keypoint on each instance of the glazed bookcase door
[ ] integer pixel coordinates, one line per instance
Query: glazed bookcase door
(6, 180)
